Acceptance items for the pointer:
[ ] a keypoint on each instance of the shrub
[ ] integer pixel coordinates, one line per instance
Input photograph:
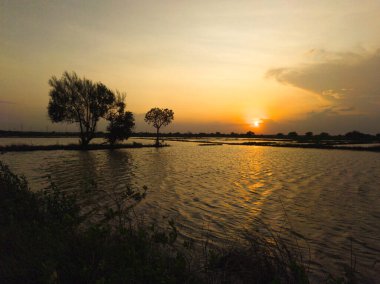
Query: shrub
(46, 237)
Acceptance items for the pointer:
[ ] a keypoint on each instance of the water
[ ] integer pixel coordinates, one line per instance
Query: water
(331, 197)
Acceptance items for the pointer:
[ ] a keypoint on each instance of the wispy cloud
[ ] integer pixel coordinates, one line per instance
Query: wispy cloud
(342, 79)
(348, 83)
(336, 77)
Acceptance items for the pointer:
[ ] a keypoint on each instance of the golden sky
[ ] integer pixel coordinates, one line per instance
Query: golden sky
(264, 66)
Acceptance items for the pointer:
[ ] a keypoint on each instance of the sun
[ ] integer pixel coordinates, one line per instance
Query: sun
(256, 123)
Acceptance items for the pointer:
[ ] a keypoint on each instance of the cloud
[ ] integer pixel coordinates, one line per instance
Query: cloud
(342, 79)
(348, 83)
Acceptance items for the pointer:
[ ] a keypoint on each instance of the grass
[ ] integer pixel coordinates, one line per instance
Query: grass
(76, 147)
(55, 237)
(46, 238)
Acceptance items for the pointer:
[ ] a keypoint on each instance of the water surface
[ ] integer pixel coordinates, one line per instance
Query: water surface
(331, 197)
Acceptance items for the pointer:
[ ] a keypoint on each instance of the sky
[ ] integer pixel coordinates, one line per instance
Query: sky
(227, 66)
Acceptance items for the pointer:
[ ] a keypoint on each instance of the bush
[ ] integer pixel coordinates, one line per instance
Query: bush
(46, 237)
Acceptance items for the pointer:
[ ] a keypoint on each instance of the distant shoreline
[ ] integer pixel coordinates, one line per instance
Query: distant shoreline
(314, 146)
(90, 147)
(291, 135)
(287, 145)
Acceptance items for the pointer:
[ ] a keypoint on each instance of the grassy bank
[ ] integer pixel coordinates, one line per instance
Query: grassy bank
(55, 237)
(72, 147)
(342, 145)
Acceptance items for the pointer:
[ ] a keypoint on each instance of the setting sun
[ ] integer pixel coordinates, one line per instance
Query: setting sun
(256, 123)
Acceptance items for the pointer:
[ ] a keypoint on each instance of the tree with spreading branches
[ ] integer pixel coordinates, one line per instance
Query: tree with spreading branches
(79, 100)
(159, 117)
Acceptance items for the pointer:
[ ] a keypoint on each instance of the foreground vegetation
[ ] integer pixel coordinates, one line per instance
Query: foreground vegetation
(56, 237)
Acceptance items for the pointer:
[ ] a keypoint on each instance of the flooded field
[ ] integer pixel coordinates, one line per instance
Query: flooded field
(327, 199)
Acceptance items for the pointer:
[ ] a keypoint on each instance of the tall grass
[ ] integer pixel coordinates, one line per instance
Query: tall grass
(54, 237)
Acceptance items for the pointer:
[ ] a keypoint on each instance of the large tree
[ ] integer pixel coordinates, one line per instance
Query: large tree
(79, 100)
(121, 122)
(159, 117)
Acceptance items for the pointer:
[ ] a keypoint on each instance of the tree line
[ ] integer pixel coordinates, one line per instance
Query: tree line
(81, 101)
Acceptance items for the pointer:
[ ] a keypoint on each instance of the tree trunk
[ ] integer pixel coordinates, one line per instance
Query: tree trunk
(157, 138)
(86, 135)
(84, 141)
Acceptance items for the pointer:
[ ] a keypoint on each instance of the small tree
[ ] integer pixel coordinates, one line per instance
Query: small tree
(159, 117)
(324, 135)
(121, 122)
(293, 134)
(250, 134)
(79, 100)
(309, 134)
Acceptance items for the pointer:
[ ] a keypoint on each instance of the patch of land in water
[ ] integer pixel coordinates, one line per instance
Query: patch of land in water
(370, 145)
(76, 147)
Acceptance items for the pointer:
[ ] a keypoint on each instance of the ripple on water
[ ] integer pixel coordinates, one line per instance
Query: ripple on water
(331, 198)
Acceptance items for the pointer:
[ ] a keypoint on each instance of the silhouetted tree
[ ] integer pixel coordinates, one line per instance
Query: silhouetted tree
(159, 117)
(79, 100)
(250, 134)
(121, 122)
(293, 134)
(309, 134)
(356, 135)
(324, 135)
(280, 135)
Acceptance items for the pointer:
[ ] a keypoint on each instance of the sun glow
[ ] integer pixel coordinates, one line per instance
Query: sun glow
(256, 122)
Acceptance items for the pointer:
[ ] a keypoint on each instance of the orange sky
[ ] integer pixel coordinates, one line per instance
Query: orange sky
(220, 65)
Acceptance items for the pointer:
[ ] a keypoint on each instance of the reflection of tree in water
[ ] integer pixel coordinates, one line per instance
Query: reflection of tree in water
(157, 166)
(73, 171)
(117, 171)
(101, 180)
(155, 169)
(82, 170)
(112, 193)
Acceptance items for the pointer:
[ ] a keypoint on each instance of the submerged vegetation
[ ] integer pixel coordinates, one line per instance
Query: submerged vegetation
(54, 236)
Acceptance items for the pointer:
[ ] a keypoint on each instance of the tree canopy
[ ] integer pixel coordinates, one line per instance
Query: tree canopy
(159, 117)
(79, 100)
(121, 122)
